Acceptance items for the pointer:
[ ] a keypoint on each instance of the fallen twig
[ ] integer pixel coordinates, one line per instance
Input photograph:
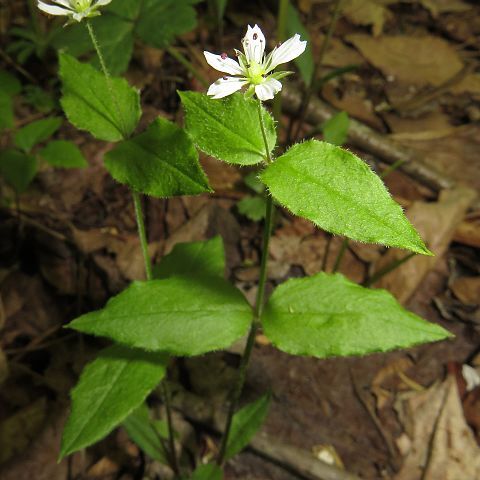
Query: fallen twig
(369, 140)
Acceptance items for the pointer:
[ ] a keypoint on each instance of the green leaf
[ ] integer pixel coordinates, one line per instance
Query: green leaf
(128, 9)
(252, 181)
(17, 168)
(304, 62)
(109, 110)
(27, 137)
(229, 128)
(328, 315)
(245, 424)
(339, 192)
(61, 153)
(162, 162)
(6, 111)
(180, 315)
(146, 433)
(198, 258)
(9, 84)
(109, 389)
(40, 99)
(160, 22)
(335, 129)
(252, 207)
(210, 471)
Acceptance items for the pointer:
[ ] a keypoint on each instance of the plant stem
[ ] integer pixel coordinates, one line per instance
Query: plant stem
(142, 233)
(106, 73)
(175, 53)
(312, 86)
(258, 309)
(340, 255)
(387, 269)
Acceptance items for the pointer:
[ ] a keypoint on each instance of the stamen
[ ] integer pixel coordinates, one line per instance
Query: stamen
(255, 36)
(223, 56)
(225, 78)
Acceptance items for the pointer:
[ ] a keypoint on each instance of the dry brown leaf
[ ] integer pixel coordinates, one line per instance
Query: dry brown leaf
(340, 55)
(436, 223)
(442, 444)
(468, 84)
(425, 60)
(437, 7)
(467, 290)
(372, 13)
(468, 232)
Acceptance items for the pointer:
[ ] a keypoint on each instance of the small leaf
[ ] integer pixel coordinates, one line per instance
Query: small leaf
(252, 207)
(245, 424)
(9, 84)
(6, 111)
(180, 315)
(61, 153)
(327, 315)
(199, 258)
(210, 471)
(304, 62)
(335, 129)
(146, 433)
(38, 98)
(109, 389)
(27, 137)
(339, 192)
(160, 22)
(17, 168)
(108, 109)
(252, 181)
(162, 162)
(228, 129)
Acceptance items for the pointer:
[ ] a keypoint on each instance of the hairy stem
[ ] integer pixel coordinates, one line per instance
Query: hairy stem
(142, 233)
(387, 269)
(178, 55)
(258, 309)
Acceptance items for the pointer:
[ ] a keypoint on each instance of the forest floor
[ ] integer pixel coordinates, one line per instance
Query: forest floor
(404, 415)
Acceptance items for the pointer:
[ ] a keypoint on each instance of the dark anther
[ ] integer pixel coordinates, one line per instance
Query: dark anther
(225, 78)
(247, 65)
(278, 44)
(255, 36)
(223, 56)
(264, 75)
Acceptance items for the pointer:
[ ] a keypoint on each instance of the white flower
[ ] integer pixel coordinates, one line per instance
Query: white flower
(74, 9)
(253, 67)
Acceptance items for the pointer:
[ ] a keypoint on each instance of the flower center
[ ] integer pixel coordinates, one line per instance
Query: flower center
(256, 73)
(81, 5)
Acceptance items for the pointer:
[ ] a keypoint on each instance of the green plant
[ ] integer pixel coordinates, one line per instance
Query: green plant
(186, 307)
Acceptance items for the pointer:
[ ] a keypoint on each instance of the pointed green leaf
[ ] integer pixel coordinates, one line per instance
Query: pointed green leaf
(335, 129)
(210, 471)
(109, 389)
(108, 109)
(27, 137)
(339, 192)
(6, 111)
(63, 154)
(18, 169)
(245, 424)
(162, 162)
(327, 315)
(252, 207)
(228, 129)
(199, 258)
(304, 62)
(146, 433)
(160, 22)
(180, 315)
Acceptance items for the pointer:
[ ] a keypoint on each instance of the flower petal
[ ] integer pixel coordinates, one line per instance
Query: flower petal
(254, 44)
(52, 9)
(226, 86)
(101, 3)
(227, 65)
(268, 89)
(287, 51)
(65, 3)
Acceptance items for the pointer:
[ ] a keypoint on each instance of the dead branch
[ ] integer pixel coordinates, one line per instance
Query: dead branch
(369, 140)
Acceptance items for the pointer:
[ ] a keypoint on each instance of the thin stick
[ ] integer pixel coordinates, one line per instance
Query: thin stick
(387, 269)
